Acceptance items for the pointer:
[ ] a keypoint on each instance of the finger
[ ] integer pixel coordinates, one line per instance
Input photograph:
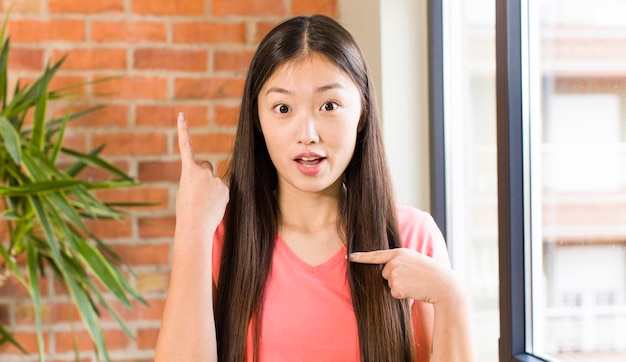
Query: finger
(207, 165)
(373, 257)
(184, 140)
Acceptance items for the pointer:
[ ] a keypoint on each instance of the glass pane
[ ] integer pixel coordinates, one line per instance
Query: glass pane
(471, 167)
(578, 179)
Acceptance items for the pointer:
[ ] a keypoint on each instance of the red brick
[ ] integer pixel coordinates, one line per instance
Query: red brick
(247, 7)
(21, 6)
(153, 311)
(4, 230)
(92, 174)
(209, 32)
(25, 313)
(132, 88)
(5, 314)
(152, 281)
(114, 339)
(131, 143)
(158, 196)
(327, 7)
(165, 116)
(20, 260)
(127, 31)
(156, 227)
(112, 115)
(15, 289)
(24, 81)
(226, 115)
(213, 143)
(59, 289)
(147, 338)
(233, 60)
(145, 254)
(170, 59)
(84, 358)
(28, 341)
(110, 229)
(117, 339)
(159, 171)
(26, 59)
(128, 314)
(262, 29)
(75, 141)
(208, 88)
(35, 31)
(169, 7)
(64, 312)
(85, 7)
(78, 84)
(92, 59)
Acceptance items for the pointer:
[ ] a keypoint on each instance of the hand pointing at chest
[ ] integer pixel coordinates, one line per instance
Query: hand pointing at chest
(410, 274)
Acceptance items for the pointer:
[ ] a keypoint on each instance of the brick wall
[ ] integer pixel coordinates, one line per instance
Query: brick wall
(167, 56)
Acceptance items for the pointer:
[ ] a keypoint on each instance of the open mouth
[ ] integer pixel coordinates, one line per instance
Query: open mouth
(309, 161)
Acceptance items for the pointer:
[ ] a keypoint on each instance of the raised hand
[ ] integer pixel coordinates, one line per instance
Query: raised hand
(188, 327)
(410, 274)
(202, 197)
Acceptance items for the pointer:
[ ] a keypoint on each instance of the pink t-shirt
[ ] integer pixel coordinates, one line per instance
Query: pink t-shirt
(308, 313)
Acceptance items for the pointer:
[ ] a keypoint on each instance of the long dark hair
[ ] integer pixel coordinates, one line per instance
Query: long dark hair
(368, 216)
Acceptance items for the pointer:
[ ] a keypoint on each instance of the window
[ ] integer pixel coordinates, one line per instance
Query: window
(463, 128)
(576, 118)
(528, 117)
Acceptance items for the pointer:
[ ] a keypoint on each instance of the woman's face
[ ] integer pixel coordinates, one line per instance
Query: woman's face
(309, 111)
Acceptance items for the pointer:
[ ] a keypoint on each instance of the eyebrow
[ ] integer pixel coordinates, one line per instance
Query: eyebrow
(321, 89)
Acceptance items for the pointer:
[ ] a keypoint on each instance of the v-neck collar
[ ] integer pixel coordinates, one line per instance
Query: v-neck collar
(338, 257)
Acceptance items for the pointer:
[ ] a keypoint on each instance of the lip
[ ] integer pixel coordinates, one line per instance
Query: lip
(307, 155)
(310, 163)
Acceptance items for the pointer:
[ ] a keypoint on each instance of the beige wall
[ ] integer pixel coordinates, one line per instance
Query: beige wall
(392, 34)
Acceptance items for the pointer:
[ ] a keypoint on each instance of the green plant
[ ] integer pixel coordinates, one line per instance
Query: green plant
(46, 203)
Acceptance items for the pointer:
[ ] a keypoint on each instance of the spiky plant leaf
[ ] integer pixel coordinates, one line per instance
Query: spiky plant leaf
(45, 205)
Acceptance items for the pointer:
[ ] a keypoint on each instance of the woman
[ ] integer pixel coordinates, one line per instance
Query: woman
(310, 257)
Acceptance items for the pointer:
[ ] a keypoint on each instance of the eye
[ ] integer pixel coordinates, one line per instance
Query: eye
(281, 108)
(329, 106)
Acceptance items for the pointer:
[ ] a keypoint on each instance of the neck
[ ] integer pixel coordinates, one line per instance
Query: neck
(305, 211)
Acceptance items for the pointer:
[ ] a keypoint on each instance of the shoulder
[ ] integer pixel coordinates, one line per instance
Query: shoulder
(411, 215)
(418, 231)
(415, 222)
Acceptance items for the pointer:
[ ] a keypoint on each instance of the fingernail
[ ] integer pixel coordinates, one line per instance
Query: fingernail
(181, 116)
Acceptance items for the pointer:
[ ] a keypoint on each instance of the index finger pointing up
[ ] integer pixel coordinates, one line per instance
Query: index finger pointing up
(373, 257)
(184, 140)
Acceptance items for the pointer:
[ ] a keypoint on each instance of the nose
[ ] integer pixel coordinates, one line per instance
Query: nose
(308, 130)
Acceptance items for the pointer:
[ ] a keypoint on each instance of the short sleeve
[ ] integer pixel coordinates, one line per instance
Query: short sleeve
(419, 232)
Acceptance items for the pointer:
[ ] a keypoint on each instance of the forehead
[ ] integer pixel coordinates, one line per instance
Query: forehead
(311, 69)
